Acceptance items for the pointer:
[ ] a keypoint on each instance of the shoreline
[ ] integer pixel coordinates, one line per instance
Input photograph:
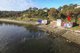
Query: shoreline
(17, 22)
(69, 35)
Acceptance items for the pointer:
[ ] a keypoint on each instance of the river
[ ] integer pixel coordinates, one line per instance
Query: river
(25, 39)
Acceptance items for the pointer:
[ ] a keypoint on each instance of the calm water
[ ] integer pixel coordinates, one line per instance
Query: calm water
(21, 39)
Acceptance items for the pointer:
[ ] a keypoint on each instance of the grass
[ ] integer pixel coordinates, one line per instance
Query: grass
(28, 19)
(78, 22)
(75, 28)
(35, 19)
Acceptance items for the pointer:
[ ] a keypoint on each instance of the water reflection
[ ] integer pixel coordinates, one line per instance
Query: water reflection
(29, 39)
(12, 36)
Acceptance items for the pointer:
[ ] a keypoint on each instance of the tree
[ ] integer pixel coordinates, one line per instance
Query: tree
(76, 14)
(53, 12)
(59, 9)
(35, 9)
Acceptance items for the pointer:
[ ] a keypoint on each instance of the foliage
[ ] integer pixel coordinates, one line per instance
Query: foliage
(62, 12)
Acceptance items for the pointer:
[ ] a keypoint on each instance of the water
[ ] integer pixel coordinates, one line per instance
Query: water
(21, 39)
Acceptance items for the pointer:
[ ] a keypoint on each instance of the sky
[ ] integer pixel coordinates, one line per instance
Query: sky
(20, 5)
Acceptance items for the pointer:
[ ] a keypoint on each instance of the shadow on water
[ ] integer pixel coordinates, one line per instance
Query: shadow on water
(31, 46)
(60, 45)
(29, 39)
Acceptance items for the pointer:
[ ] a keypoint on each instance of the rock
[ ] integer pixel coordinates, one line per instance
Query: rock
(72, 36)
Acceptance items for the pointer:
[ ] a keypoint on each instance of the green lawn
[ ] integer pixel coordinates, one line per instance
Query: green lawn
(75, 28)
